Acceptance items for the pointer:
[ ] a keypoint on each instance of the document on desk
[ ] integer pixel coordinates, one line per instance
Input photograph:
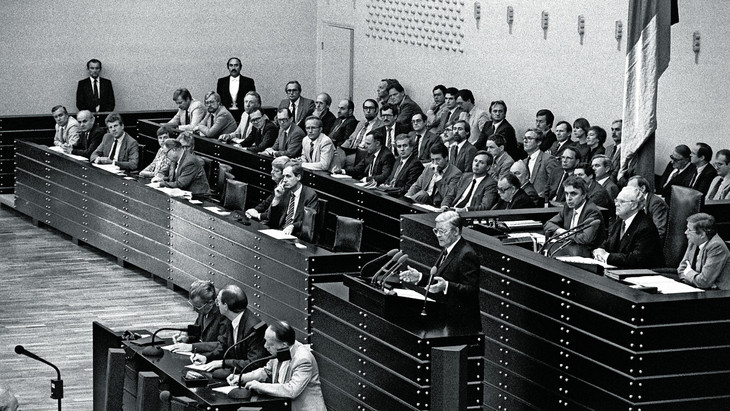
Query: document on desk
(340, 176)
(171, 346)
(218, 210)
(198, 367)
(427, 207)
(408, 293)
(664, 285)
(277, 234)
(59, 149)
(224, 389)
(172, 192)
(111, 168)
(583, 260)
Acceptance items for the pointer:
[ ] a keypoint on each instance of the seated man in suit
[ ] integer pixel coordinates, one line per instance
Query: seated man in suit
(67, 129)
(218, 121)
(117, 147)
(544, 119)
(263, 134)
(576, 211)
(720, 185)
(436, 109)
(378, 164)
(633, 240)
(475, 191)
(289, 140)
(388, 113)
(519, 170)
(317, 149)
(706, 263)
(232, 303)
(322, 110)
(345, 123)
(233, 88)
(213, 325)
(406, 107)
(452, 111)
(351, 151)
(654, 206)
(700, 157)
(286, 211)
(190, 111)
(95, 93)
(407, 167)
(538, 162)
(563, 136)
(277, 168)
(475, 116)
(423, 137)
(511, 196)
(456, 276)
(300, 107)
(436, 179)
(251, 102)
(679, 172)
(186, 171)
(596, 193)
(500, 125)
(602, 168)
(502, 160)
(90, 134)
(296, 379)
(569, 160)
(461, 152)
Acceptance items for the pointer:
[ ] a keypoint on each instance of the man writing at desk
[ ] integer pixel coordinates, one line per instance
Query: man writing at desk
(186, 171)
(286, 211)
(456, 277)
(117, 147)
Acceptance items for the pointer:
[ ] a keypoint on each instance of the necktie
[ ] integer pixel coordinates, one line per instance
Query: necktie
(289, 220)
(441, 258)
(561, 193)
(389, 142)
(723, 193)
(294, 112)
(694, 258)
(286, 141)
(211, 120)
(372, 166)
(235, 334)
(359, 136)
(63, 138)
(113, 151)
(574, 219)
(432, 183)
(671, 176)
(245, 128)
(623, 229)
(694, 179)
(187, 118)
(96, 90)
(527, 164)
(311, 151)
(418, 144)
(465, 200)
(397, 171)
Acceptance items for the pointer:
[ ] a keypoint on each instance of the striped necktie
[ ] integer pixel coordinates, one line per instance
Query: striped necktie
(289, 220)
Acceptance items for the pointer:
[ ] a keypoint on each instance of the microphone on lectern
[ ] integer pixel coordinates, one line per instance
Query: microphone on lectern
(370, 265)
(222, 372)
(392, 270)
(425, 296)
(153, 351)
(385, 268)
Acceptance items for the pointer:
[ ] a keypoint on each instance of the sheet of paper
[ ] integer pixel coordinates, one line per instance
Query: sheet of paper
(171, 346)
(172, 192)
(224, 390)
(408, 293)
(109, 167)
(583, 260)
(191, 201)
(59, 149)
(427, 207)
(197, 367)
(663, 284)
(343, 176)
(277, 234)
(218, 210)
(521, 223)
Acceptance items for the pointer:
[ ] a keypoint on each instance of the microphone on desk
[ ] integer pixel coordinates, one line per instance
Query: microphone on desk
(222, 372)
(243, 393)
(402, 260)
(566, 240)
(153, 351)
(425, 296)
(593, 222)
(167, 398)
(385, 268)
(57, 384)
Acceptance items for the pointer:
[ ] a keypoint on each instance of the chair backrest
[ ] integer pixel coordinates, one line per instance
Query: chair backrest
(319, 229)
(220, 185)
(348, 234)
(308, 224)
(235, 195)
(684, 202)
(141, 164)
(208, 167)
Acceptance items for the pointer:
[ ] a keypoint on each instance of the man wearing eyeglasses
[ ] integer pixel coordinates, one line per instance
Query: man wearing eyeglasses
(569, 160)
(538, 162)
(720, 185)
(251, 101)
(679, 171)
(186, 171)
(263, 135)
(633, 240)
(511, 196)
(300, 107)
(423, 137)
(317, 149)
(289, 141)
(218, 120)
(213, 325)
(456, 272)
(351, 151)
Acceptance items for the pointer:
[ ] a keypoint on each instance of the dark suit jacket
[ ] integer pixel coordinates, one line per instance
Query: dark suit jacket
(305, 108)
(245, 84)
(406, 110)
(464, 157)
(260, 140)
(88, 142)
(519, 200)
(276, 215)
(664, 187)
(381, 170)
(86, 100)
(328, 121)
(704, 179)
(506, 130)
(639, 248)
(548, 140)
(600, 197)
(188, 174)
(128, 151)
(485, 194)
(587, 239)
(251, 350)
(408, 174)
(556, 150)
(529, 189)
(292, 145)
(213, 329)
(554, 186)
(418, 193)
(424, 144)
(592, 153)
(341, 130)
(461, 268)
(611, 187)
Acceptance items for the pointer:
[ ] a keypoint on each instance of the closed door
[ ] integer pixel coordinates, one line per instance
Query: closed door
(337, 56)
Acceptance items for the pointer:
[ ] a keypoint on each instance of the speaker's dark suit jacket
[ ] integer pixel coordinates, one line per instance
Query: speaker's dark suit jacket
(485, 193)
(276, 215)
(128, 151)
(86, 100)
(88, 142)
(506, 130)
(407, 175)
(213, 330)
(251, 350)
(461, 270)
(381, 170)
(664, 187)
(245, 84)
(639, 248)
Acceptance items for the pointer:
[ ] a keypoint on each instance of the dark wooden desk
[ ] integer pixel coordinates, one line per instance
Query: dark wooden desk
(378, 211)
(172, 238)
(559, 337)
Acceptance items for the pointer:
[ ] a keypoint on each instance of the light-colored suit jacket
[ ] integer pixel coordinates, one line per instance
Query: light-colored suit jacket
(70, 133)
(319, 157)
(540, 171)
(501, 166)
(298, 379)
(196, 112)
(418, 192)
(351, 141)
(128, 158)
(713, 265)
(219, 122)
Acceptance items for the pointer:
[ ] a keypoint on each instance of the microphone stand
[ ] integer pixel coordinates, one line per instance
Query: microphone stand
(57, 384)
(243, 393)
(425, 296)
(153, 351)
(254, 332)
(392, 270)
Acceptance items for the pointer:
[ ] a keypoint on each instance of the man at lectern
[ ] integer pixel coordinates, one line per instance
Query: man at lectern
(456, 272)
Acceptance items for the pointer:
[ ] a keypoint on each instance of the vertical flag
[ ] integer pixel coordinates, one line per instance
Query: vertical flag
(647, 56)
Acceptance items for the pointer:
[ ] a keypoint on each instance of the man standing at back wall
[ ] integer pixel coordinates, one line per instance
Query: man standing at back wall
(233, 88)
(95, 93)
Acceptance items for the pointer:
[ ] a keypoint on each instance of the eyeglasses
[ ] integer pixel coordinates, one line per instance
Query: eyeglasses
(620, 201)
(440, 231)
(210, 102)
(503, 189)
(312, 128)
(198, 308)
(256, 119)
(386, 115)
(292, 90)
